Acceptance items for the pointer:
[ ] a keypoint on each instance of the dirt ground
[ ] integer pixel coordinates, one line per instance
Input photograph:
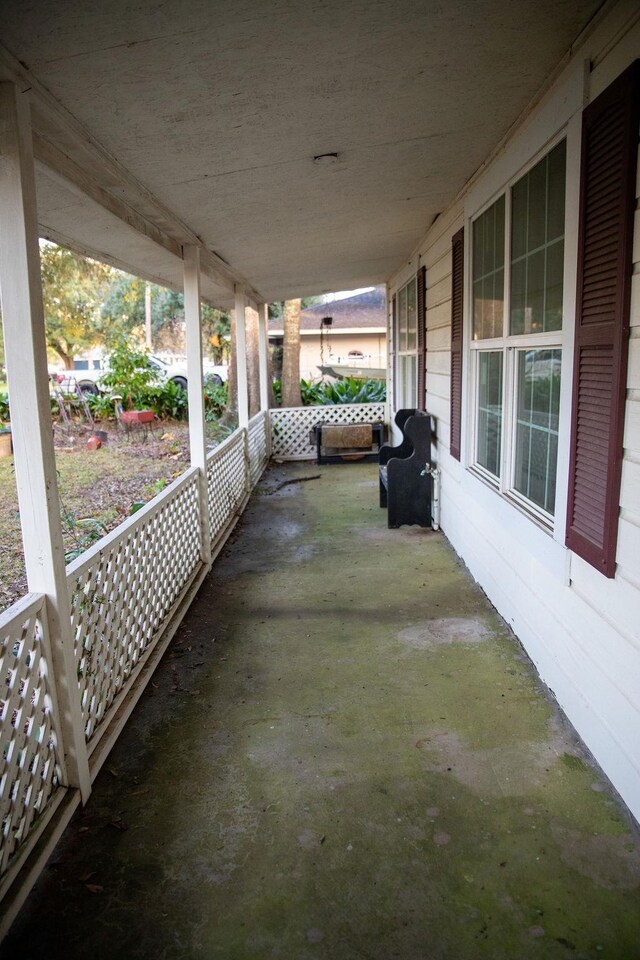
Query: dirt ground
(100, 484)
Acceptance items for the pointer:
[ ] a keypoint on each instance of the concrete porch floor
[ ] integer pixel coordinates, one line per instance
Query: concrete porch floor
(344, 755)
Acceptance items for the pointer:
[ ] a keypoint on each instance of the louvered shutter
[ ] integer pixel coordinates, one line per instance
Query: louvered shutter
(457, 297)
(421, 281)
(605, 239)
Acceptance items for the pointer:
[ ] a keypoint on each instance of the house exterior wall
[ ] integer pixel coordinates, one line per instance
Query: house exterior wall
(338, 344)
(581, 629)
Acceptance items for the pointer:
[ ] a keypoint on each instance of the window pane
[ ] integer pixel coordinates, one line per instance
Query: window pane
(411, 316)
(537, 206)
(489, 411)
(555, 200)
(538, 404)
(519, 218)
(478, 309)
(554, 284)
(534, 307)
(488, 272)
(407, 386)
(537, 246)
(402, 319)
(518, 295)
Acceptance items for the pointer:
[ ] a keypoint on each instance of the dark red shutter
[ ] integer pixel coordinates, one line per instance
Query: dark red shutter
(421, 281)
(605, 239)
(457, 299)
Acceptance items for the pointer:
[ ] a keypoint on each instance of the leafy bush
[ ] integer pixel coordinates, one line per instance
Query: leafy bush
(85, 532)
(129, 374)
(101, 406)
(326, 393)
(167, 400)
(4, 407)
(351, 391)
(215, 399)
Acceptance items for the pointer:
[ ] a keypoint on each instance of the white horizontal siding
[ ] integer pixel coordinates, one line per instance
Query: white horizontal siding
(632, 422)
(628, 553)
(439, 339)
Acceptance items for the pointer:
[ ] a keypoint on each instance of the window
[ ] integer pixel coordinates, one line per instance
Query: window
(517, 293)
(407, 345)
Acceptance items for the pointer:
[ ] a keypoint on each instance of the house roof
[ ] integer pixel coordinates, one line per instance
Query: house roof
(159, 125)
(364, 312)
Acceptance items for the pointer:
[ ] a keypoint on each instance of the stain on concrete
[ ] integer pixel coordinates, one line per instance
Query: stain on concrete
(431, 633)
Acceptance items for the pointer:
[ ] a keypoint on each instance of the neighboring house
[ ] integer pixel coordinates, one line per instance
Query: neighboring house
(527, 286)
(357, 333)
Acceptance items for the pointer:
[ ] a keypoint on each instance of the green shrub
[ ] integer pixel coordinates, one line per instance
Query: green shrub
(215, 399)
(326, 393)
(101, 406)
(4, 407)
(129, 374)
(351, 391)
(167, 400)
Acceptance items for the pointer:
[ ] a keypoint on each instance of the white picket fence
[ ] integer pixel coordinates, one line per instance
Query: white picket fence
(127, 595)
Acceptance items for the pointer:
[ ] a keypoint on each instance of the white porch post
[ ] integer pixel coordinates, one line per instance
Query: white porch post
(263, 354)
(34, 460)
(263, 361)
(241, 359)
(195, 391)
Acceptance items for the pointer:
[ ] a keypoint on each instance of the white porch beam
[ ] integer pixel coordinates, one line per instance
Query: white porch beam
(34, 458)
(263, 354)
(241, 359)
(195, 388)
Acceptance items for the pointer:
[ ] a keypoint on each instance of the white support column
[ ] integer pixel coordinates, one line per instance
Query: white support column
(241, 359)
(195, 390)
(263, 354)
(263, 361)
(34, 458)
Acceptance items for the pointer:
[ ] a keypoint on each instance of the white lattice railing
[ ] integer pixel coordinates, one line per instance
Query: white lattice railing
(290, 426)
(123, 588)
(258, 445)
(29, 733)
(227, 482)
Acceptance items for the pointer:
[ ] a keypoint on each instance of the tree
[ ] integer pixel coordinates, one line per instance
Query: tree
(73, 288)
(124, 312)
(291, 354)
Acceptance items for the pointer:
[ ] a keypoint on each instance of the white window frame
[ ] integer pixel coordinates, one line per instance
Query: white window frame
(401, 354)
(511, 345)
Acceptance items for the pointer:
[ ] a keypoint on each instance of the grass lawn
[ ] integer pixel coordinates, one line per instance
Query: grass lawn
(101, 484)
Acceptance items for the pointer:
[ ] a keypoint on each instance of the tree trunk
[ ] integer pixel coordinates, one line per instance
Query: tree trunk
(230, 416)
(66, 358)
(253, 368)
(291, 355)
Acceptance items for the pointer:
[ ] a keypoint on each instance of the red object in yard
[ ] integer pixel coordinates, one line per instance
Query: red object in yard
(137, 416)
(94, 443)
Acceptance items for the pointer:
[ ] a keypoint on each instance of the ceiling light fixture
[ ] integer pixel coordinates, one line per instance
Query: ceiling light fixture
(325, 159)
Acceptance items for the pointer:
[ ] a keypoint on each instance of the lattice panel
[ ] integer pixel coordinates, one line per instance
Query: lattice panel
(290, 426)
(121, 594)
(226, 481)
(258, 456)
(31, 771)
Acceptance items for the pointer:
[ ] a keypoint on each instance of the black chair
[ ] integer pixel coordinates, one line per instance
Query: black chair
(405, 485)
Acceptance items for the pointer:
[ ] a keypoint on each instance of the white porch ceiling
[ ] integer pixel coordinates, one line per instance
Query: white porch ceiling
(204, 118)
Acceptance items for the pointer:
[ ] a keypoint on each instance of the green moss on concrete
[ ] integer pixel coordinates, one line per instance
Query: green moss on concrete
(345, 755)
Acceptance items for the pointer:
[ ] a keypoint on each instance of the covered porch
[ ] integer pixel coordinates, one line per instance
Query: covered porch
(345, 753)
